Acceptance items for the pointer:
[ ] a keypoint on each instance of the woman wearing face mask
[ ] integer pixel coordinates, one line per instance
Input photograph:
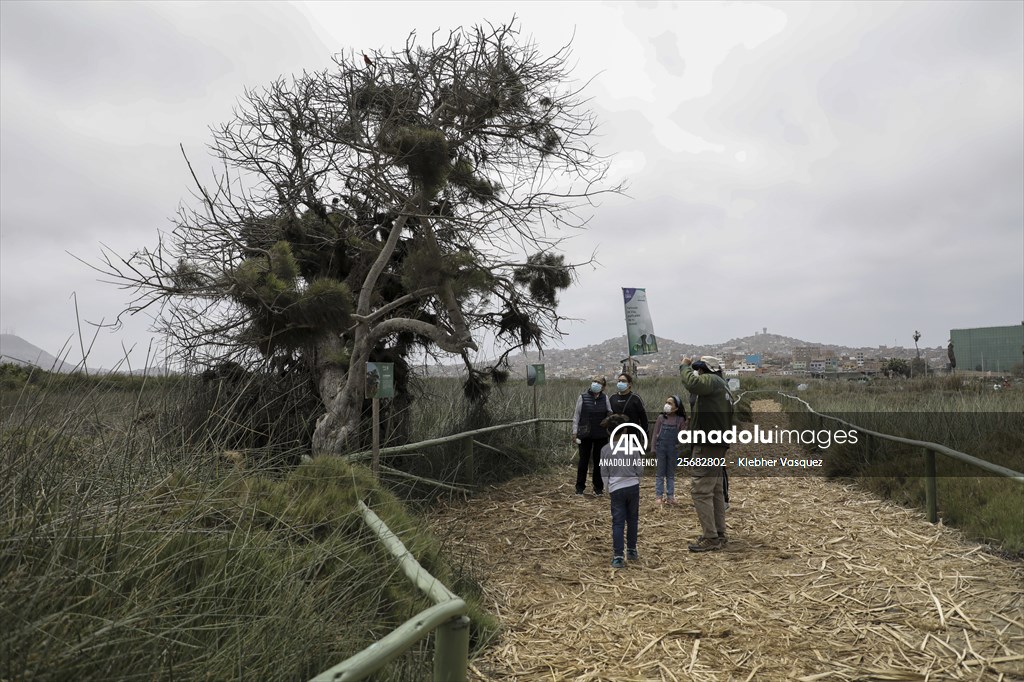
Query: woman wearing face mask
(592, 407)
(627, 403)
(670, 422)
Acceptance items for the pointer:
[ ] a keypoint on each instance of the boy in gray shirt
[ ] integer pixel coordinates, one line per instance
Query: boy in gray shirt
(621, 473)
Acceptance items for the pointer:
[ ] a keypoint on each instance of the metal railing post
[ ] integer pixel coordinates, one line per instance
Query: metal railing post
(930, 495)
(451, 650)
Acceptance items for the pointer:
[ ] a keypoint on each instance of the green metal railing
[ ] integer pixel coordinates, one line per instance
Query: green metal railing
(930, 449)
(448, 614)
(466, 438)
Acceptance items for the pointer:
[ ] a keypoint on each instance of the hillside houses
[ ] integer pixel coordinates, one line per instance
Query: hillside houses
(762, 353)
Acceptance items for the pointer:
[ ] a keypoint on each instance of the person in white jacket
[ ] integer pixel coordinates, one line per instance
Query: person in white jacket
(621, 474)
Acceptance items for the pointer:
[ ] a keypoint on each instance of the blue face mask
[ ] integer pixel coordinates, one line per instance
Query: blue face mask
(622, 386)
(595, 387)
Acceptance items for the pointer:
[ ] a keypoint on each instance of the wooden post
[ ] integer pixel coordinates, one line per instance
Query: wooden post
(375, 461)
(467, 458)
(536, 425)
(929, 486)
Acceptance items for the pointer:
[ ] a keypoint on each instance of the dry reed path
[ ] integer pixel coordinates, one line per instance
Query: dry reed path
(820, 581)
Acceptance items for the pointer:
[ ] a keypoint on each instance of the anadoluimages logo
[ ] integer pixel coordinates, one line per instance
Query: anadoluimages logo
(629, 439)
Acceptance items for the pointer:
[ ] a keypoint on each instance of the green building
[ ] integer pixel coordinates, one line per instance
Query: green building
(989, 349)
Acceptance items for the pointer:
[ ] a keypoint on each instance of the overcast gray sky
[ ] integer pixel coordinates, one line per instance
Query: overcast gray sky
(842, 173)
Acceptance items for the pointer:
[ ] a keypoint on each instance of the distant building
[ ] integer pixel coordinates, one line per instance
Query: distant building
(871, 366)
(989, 349)
(804, 354)
(826, 363)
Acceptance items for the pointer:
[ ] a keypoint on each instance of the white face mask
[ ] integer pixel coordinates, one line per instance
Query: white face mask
(667, 407)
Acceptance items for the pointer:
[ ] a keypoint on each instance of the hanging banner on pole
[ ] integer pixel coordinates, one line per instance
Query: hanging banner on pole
(639, 328)
(534, 375)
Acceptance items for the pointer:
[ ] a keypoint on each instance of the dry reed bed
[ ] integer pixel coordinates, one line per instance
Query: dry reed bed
(820, 581)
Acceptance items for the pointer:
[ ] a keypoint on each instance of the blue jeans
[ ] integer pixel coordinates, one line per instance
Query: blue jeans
(665, 479)
(625, 516)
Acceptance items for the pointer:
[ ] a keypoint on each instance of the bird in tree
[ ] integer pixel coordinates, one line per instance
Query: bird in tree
(367, 60)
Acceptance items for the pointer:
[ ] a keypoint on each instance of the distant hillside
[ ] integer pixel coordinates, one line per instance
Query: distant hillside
(606, 357)
(18, 351)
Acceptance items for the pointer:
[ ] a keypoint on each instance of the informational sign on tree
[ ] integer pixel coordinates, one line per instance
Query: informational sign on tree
(380, 380)
(534, 375)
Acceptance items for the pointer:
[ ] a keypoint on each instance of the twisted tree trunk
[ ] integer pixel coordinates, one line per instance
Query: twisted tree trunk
(343, 391)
